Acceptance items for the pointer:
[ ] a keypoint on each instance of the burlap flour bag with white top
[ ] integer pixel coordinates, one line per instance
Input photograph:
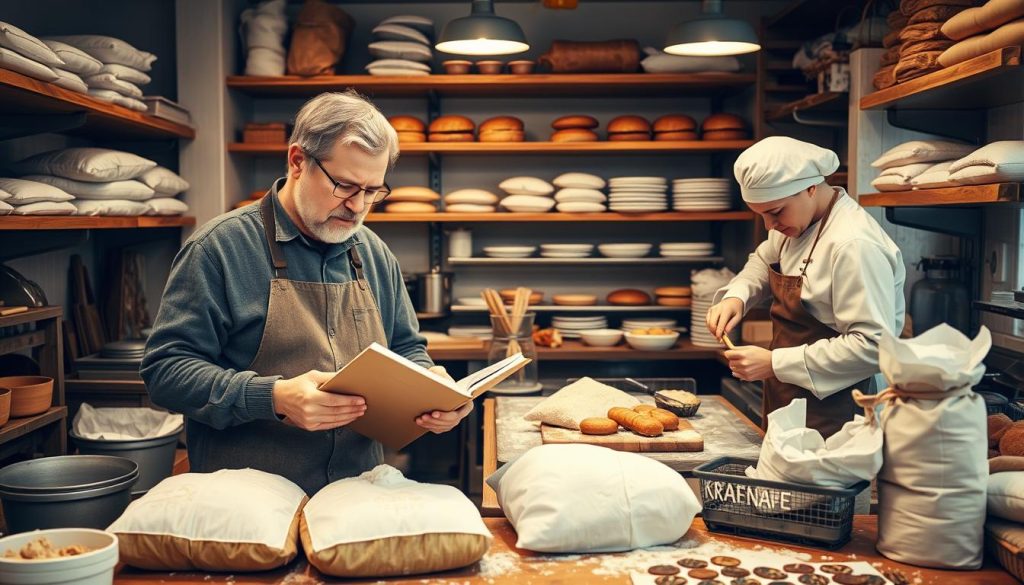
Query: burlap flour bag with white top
(932, 486)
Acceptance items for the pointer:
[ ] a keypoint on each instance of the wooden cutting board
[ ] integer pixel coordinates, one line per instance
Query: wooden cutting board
(686, 439)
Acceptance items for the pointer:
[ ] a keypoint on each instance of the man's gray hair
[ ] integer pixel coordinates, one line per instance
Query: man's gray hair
(346, 116)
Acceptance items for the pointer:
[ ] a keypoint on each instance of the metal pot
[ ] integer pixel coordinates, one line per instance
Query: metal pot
(435, 292)
(154, 456)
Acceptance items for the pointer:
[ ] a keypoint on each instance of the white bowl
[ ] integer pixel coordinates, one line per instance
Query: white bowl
(472, 301)
(601, 337)
(95, 567)
(651, 342)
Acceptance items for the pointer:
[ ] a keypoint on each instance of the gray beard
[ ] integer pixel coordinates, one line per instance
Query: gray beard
(321, 230)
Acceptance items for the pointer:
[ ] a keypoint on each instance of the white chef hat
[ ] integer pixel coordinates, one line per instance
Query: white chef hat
(780, 166)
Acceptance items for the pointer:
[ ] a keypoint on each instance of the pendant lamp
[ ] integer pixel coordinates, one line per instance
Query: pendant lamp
(482, 33)
(712, 34)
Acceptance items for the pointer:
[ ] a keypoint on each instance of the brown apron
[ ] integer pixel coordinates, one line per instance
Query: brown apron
(309, 326)
(793, 325)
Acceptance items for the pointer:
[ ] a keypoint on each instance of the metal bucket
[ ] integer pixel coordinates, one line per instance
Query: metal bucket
(154, 456)
(70, 491)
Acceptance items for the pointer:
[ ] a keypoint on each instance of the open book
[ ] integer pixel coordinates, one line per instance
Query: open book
(398, 390)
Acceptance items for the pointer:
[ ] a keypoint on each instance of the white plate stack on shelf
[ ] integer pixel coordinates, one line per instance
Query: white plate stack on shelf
(509, 251)
(470, 201)
(699, 334)
(708, 194)
(580, 193)
(624, 250)
(687, 249)
(638, 194)
(527, 195)
(402, 46)
(124, 68)
(570, 325)
(566, 250)
(649, 323)
(470, 331)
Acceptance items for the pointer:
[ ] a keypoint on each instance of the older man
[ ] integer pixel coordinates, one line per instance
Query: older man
(264, 303)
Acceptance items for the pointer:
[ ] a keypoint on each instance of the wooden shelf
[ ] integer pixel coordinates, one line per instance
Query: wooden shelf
(830, 102)
(649, 261)
(19, 427)
(602, 147)
(607, 216)
(31, 316)
(79, 222)
(965, 195)
(584, 309)
(1015, 310)
(540, 85)
(107, 386)
(576, 351)
(989, 80)
(22, 95)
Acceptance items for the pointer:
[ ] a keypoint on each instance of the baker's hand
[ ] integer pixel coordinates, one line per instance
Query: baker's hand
(750, 363)
(724, 316)
(304, 405)
(438, 421)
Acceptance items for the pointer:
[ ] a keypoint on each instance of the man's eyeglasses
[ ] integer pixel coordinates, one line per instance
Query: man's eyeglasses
(344, 190)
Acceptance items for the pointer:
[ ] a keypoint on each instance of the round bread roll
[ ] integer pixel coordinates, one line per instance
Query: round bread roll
(414, 193)
(624, 136)
(628, 124)
(582, 121)
(1012, 441)
(472, 196)
(452, 123)
(629, 296)
(502, 136)
(668, 291)
(725, 135)
(410, 207)
(998, 424)
(579, 180)
(407, 124)
(681, 135)
(574, 135)
(723, 122)
(674, 123)
(598, 425)
(501, 123)
(674, 301)
(468, 208)
(407, 137)
(451, 137)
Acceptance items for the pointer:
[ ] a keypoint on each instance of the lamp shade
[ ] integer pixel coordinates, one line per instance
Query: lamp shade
(712, 35)
(482, 33)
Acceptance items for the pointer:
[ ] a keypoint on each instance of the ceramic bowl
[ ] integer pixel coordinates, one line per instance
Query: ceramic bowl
(457, 67)
(5, 405)
(95, 567)
(601, 337)
(651, 342)
(30, 395)
(521, 67)
(489, 67)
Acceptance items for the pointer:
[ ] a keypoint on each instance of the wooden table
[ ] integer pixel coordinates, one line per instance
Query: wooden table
(527, 567)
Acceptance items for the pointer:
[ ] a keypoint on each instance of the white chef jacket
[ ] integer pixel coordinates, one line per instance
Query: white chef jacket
(854, 285)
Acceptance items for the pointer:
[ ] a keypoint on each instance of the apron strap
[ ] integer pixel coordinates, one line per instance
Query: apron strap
(357, 265)
(817, 237)
(270, 230)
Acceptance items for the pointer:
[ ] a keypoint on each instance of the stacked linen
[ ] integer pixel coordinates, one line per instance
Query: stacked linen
(264, 27)
(123, 68)
(886, 75)
(922, 40)
(25, 54)
(979, 30)
(527, 195)
(23, 197)
(402, 46)
(470, 201)
(916, 160)
(580, 193)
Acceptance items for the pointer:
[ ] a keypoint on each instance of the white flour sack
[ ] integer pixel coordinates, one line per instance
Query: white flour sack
(932, 486)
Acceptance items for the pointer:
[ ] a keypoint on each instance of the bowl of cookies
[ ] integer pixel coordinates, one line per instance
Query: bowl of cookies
(59, 556)
(652, 339)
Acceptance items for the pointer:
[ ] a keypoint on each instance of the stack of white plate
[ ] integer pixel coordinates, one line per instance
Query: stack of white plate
(699, 334)
(470, 331)
(636, 323)
(624, 250)
(709, 194)
(509, 251)
(638, 194)
(687, 249)
(580, 200)
(566, 250)
(570, 325)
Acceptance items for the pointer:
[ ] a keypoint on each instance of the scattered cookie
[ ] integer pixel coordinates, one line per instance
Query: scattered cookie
(896, 576)
(876, 580)
(670, 580)
(725, 561)
(745, 581)
(780, 583)
(735, 572)
(851, 579)
(663, 570)
(835, 569)
(703, 573)
(769, 573)
(798, 568)
(692, 563)
(813, 579)
(710, 582)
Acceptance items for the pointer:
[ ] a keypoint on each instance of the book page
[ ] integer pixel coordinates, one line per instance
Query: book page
(473, 381)
(405, 362)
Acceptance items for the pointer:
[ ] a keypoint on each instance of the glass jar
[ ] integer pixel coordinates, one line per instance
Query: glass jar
(504, 345)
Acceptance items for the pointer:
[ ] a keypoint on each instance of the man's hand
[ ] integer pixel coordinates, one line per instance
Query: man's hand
(304, 405)
(438, 421)
(750, 363)
(724, 316)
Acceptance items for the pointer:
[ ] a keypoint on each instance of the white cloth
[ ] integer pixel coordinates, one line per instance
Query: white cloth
(124, 424)
(779, 167)
(854, 285)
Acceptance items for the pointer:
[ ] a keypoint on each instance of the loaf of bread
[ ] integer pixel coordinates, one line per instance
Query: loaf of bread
(641, 424)
(452, 123)
(451, 137)
(674, 123)
(574, 135)
(407, 124)
(642, 408)
(629, 136)
(723, 122)
(725, 135)
(501, 123)
(629, 296)
(680, 135)
(598, 425)
(579, 121)
(667, 419)
(408, 137)
(502, 136)
(628, 124)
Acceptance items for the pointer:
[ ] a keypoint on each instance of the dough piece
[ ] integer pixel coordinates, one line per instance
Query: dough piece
(598, 425)
(643, 408)
(640, 424)
(667, 419)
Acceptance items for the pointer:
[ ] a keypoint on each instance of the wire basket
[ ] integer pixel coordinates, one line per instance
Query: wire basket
(1014, 410)
(636, 385)
(806, 515)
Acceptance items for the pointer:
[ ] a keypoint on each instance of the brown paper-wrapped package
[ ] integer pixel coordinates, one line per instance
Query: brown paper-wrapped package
(319, 38)
(619, 56)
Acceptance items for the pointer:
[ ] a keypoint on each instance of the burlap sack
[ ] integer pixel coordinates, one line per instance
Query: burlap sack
(917, 65)
(319, 38)
(925, 31)
(619, 56)
(1008, 35)
(910, 7)
(937, 14)
(909, 49)
(885, 77)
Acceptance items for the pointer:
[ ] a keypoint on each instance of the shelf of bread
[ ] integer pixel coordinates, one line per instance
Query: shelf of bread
(601, 147)
(22, 95)
(571, 350)
(830, 102)
(649, 261)
(493, 217)
(989, 80)
(962, 195)
(502, 85)
(76, 222)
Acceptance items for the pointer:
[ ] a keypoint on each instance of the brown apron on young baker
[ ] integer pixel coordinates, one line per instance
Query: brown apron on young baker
(793, 325)
(309, 326)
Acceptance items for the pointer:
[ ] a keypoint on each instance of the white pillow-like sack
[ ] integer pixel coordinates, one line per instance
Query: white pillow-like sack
(996, 162)
(228, 520)
(582, 399)
(589, 499)
(24, 191)
(526, 186)
(6, 208)
(4, 195)
(164, 181)
(398, 64)
(921, 151)
(936, 177)
(469, 208)
(110, 207)
(1006, 495)
(576, 194)
(420, 23)
(75, 60)
(981, 19)
(528, 203)
(130, 103)
(579, 181)
(165, 206)
(131, 189)
(25, 44)
(110, 50)
(69, 81)
(104, 95)
(396, 71)
(262, 61)
(97, 165)
(125, 73)
(982, 175)
(898, 178)
(21, 64)
(46, 208)
(381, 524)
(108, 81)
(471, 196)
(659, 62)
(399, 32)
(400, 50)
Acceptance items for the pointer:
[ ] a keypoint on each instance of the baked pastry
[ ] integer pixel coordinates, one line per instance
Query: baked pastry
(998, 424)
(642, 408)
(503, 136)
(451, 137)
(407, 124)
(451, 128)
(681, 135)
(635, 125)
(674, 301)
(407, 137)
(629, 296)
(625, 136)
(667, 419)
(501, 123)
(579, 121)
(574, 135)
(679, 402)
(411, 207)
(673, 291)
(674, 123)
(598, 425)
(550, 337)
(721, 123)
(414, 193)
(725, 135)
(641, 424)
